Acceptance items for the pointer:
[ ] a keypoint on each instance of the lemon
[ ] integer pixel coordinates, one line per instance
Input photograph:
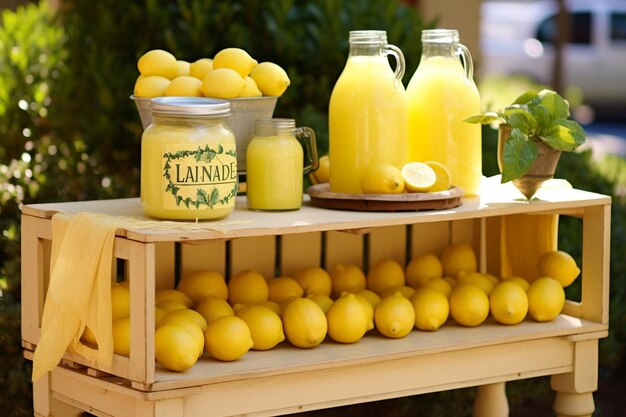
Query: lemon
(558, 265)
(508, 303)
(321, 300)
(322, 173)
(283, 288)
(192, 315)
(266, 328)
(272, 305)
(271, 79)
(347, 278)
(431, 309)
(314, 279)
(211, 308)
(120, 301)
(159, 313)
(546, 299)
(121, 336)
(200, 68)
(394, 316)
(370, 296)
(236, 59)
(469, 305)
(158, 62)
(247, 287)
(203, 283)
(184, 85)
(170, 294)
(494, 280)
(151, 86)
(347, 319)
(423, 268)
(189, 325)
(222, 83)
(418, 177)
(170, 305)
(384, 274)
(227, 338)
(403, 290)
(442, 182)
(458, 257)
(438, 284)
(519, 281)
(304, 323)
(369, 310)
(476, 278)
(250, 89)
(382, 178)
(182, 67)
(175, 348)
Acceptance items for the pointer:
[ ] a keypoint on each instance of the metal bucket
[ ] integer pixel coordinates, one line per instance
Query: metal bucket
(243, 113)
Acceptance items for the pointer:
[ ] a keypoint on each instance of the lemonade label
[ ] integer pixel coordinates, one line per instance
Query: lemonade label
(201, 177)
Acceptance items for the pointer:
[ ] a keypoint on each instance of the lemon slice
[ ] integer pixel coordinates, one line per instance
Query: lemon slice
(418, 176)
(443, 176)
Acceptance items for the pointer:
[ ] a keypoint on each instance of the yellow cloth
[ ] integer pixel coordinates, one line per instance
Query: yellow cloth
(79, 292)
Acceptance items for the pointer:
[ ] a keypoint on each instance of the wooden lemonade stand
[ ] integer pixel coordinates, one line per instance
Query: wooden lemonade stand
(287, 379)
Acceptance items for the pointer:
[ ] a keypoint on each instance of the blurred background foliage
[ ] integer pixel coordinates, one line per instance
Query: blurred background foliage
(69, 131)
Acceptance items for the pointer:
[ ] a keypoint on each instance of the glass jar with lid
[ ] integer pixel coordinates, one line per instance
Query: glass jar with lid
(188, 160)
(277, 157)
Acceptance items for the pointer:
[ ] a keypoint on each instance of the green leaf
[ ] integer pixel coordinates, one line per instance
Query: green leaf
(556, 105)
(520, 118)
(485, 119)
(575, 129)
(527, 97)
(518, 156)
(187, 201)
(560, 138)
(215, 196)
(201, 196)
(542, 116)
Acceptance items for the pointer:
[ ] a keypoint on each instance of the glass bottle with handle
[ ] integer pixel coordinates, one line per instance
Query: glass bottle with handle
(441, 94)
(367, 111)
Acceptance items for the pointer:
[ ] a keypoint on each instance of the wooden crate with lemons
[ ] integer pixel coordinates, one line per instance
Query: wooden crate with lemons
(400, 272)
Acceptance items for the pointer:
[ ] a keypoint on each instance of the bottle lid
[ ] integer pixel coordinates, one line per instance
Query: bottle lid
(190, 106)
(440, 35)
(372, 37)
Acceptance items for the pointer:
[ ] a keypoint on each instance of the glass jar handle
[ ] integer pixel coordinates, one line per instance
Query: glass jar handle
(466, 57)
(309, 146)
(400, 64)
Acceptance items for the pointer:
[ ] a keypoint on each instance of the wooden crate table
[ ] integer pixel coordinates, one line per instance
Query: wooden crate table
(287, 379)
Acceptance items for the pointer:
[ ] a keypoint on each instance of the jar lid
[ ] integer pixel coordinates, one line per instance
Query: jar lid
(277, 126)
(190, 106)
(440, 35)
(368, 37)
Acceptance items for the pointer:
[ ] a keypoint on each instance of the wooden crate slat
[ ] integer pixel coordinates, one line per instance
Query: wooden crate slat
(343, 248)
(258, 253)
(209, 255)
(388, 243)
(299, 251)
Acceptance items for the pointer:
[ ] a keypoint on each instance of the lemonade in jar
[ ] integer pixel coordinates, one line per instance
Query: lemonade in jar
(441, 95)
(367, 112)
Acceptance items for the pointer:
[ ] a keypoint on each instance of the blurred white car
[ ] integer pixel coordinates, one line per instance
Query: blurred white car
(517, 38)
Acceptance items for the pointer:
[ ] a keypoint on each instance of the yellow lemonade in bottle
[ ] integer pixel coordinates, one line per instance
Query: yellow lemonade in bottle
(274, 158)
(441, 95)
(367, 112)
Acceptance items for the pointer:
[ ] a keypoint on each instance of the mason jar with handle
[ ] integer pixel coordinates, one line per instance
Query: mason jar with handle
(441, 95)
(367, 111)
(276, 164)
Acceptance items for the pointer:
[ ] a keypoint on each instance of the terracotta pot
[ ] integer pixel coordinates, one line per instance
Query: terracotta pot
(541, 170)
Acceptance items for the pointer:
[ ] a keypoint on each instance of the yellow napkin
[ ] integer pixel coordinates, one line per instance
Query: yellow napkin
(79, 292)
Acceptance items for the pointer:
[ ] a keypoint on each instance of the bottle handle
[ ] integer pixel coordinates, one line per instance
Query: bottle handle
(309, 146)
(400, 63)
(466, 57)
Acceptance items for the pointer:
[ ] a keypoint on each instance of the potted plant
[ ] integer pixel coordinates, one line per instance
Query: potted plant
(533, 131)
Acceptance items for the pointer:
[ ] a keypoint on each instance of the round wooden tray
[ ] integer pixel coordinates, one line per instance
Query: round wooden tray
(321, 196)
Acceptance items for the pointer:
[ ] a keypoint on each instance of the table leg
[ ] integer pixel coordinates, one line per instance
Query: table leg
(491, 401)
(574, 390)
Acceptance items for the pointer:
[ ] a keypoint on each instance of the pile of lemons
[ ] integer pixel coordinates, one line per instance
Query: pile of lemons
(231, 73)
(225, 319)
